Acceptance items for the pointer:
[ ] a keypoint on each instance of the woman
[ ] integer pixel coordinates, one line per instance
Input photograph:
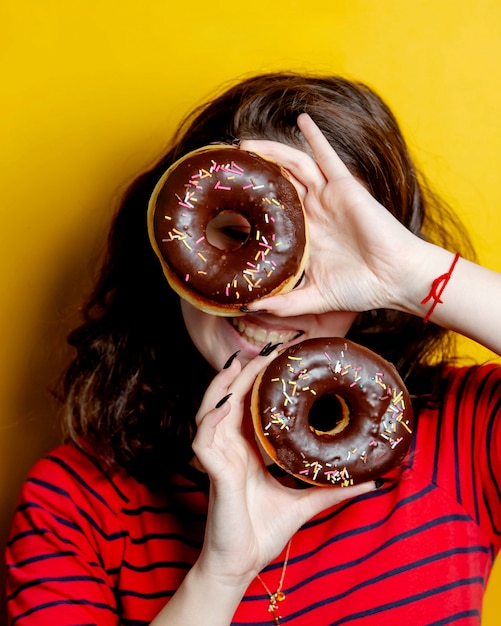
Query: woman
(159, 508)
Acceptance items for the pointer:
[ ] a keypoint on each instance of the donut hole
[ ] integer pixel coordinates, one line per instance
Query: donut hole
(329, 415)
(228, 231)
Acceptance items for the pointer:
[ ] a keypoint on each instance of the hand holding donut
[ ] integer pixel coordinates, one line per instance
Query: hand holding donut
(357, 247)
(251, 515)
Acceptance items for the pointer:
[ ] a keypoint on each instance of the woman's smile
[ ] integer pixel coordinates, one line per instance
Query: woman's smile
(260, 335)
(218, 337)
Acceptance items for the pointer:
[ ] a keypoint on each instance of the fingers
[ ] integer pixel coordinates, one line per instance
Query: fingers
(300, 165)
(297, 302)
(242, 384)
(232, 384)
(218, 389)
(206, 432)
(325, 165)
(329, 162)
(219, 434)
(318, 499)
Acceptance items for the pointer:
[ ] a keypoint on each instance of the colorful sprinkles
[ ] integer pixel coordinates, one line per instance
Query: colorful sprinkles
(225, 177)
(394, 424)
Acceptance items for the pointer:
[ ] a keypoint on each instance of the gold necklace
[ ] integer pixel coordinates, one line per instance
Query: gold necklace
(278, 595)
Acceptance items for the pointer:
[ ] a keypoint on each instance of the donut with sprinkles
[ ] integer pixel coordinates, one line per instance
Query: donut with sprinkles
(228, 227)
(332, 413)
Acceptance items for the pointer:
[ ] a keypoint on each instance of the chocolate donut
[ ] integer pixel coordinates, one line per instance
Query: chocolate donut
(228, 227)
(332, 413)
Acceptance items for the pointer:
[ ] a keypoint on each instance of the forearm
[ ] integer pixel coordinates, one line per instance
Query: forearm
(470, 302)
(201, 599)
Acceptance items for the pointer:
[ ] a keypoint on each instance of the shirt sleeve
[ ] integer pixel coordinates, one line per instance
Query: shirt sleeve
(475, 407)
(55, 574)
(490, 461)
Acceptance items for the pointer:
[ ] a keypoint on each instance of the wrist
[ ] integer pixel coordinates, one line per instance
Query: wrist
(437, 287)
(424, 280)
(202, 598)
(231, 580)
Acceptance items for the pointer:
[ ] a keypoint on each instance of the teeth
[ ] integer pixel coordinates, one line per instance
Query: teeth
(260, 336)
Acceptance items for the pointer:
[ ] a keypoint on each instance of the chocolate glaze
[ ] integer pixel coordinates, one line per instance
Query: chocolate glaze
(192, 193)
(380, 426)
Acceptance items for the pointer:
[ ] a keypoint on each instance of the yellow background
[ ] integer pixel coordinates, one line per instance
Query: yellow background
(91, 90)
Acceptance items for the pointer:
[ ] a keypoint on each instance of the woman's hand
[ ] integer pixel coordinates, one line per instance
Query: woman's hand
(357, 247)
(362, 258)
(251, 515)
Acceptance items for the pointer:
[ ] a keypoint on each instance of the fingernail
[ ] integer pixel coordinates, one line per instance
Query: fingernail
(222, 401)
(268, 348)
(231, 359)
(244, 309)
(379, 482)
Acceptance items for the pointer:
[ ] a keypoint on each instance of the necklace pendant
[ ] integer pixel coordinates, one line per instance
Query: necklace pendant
(278, 596)
(275, 598)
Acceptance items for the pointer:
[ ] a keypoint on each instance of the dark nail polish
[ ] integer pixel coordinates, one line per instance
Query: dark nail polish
(223, 400)
(268, 348)
(231, 359)
(244, 309)
(379, 482)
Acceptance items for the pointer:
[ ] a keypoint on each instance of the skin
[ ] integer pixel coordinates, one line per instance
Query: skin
(379, 264)
(216, 337)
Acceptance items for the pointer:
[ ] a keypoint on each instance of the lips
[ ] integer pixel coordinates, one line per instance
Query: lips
(259, 335)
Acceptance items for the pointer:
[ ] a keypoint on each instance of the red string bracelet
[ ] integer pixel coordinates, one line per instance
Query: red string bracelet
(437, 288)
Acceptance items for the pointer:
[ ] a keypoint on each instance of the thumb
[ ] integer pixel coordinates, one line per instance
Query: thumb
(299, 301)
(319, 499)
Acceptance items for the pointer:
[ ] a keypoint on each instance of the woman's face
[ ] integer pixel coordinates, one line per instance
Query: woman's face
(217, 338)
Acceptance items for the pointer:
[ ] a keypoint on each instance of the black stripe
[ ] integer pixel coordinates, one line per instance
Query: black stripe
(105, 475)
(433, 558)
(76, 476)
(26, 533)
(42, 557)
(330, 514)
(62, 603)
(182, 565)
(473, 443)
(439, 556)
(65, 522)
(166, 593)
(439, 422)
(457, 429)
(363, 529)
(387, 544)
(166, 509)
(197, 545)
(452, 619)
(492, 448)
(380, 609)
(148, 508)
(494, 414)
(52, 579)
(475, 580)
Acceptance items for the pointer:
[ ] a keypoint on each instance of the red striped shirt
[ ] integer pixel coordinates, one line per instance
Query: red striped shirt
(86, 548)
